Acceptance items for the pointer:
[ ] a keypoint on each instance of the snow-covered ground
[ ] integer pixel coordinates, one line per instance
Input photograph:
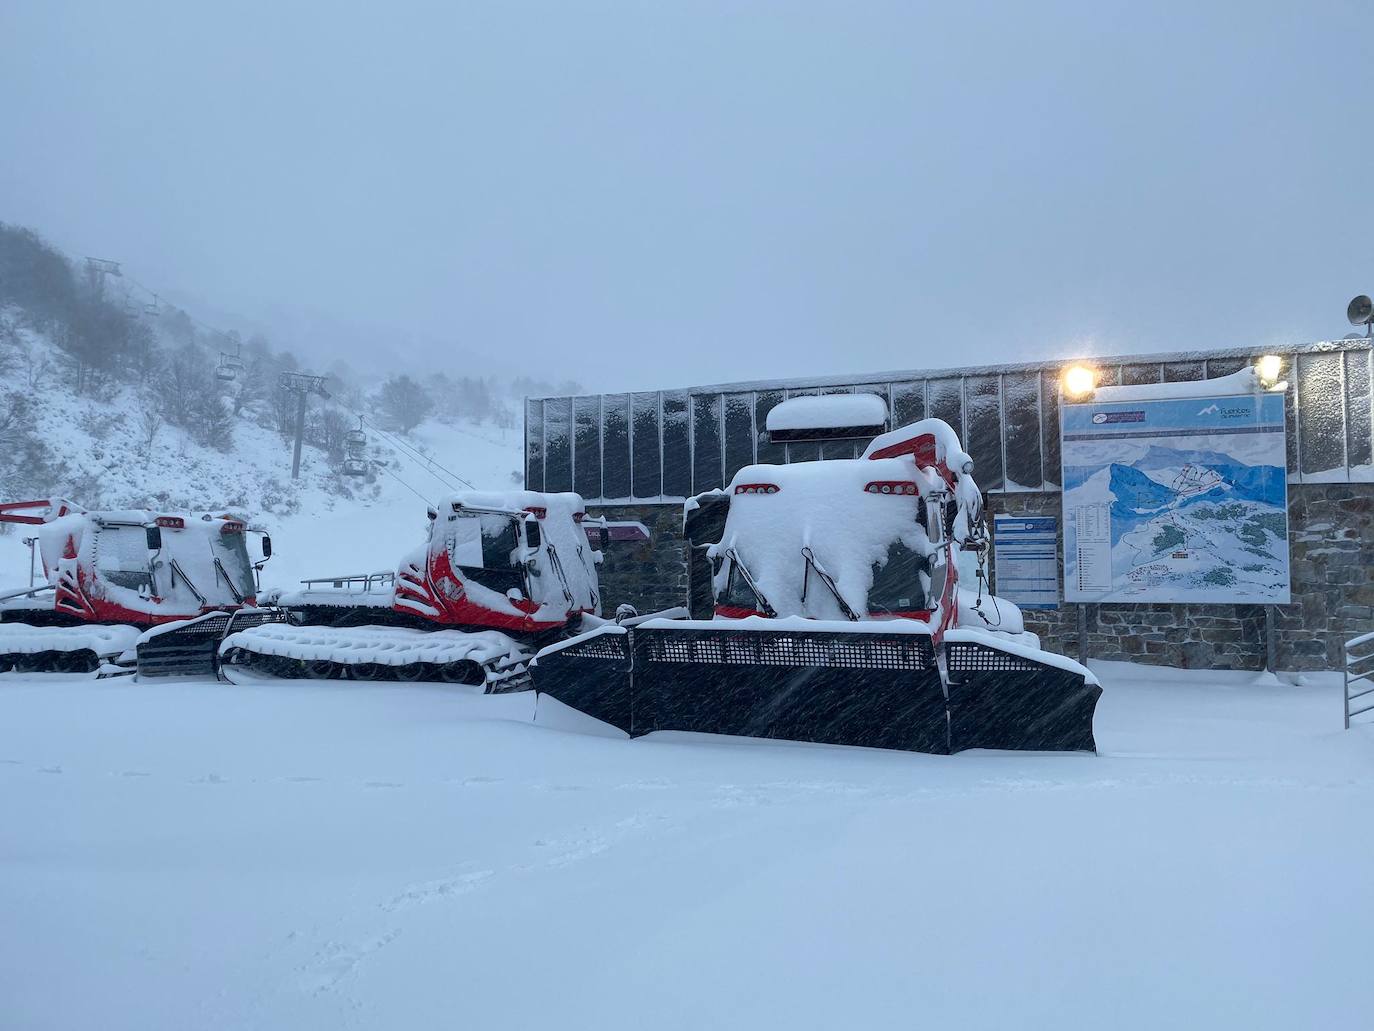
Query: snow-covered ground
(303, 855)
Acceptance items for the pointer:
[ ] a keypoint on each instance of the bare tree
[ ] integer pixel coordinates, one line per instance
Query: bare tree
(149, 425)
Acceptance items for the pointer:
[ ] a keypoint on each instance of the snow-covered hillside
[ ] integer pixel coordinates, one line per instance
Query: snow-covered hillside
(324, 523)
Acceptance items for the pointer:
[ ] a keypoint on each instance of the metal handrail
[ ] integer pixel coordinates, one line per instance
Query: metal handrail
(368, 580)
(1354, 674)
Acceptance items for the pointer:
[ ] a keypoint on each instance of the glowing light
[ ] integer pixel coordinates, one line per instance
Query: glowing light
(1079, 381)
(1270, 367)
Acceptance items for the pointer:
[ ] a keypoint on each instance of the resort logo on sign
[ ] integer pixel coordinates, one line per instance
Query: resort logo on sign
(1099, 418)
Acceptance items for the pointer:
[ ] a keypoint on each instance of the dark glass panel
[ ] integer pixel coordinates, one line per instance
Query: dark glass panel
(587, 446)
(1021, 404)
(615, 446)
(1224, 366)
(946, 400)
(1359, 447)
(706, 453)
(647, 449)
(1134, 375)
(1049, 428)
(677, 447)
(1184, 372)
(558, 444)
(739, 433)
(534, 445)
(1321, 416)
(908, 403)
(984, 437)
(768, 452)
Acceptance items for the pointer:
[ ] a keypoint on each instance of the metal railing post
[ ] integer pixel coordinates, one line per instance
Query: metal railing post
(1351, 673)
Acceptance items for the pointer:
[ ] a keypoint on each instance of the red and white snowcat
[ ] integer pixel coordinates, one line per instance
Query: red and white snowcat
(110, 576)
(839, 618)
(500, 574)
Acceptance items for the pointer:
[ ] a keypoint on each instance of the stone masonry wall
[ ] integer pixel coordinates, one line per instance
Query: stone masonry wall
(1331, 533)
(650, 575)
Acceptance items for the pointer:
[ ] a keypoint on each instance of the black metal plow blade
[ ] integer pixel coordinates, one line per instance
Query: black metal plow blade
(1003, 699)
(867, 687)
(881, 690)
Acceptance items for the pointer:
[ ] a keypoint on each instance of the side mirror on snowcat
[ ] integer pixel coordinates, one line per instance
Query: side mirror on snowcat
(266, 546)
(533, 535)
(154, 538)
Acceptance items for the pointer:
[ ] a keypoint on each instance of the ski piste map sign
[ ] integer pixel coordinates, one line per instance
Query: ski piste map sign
(1175, 499)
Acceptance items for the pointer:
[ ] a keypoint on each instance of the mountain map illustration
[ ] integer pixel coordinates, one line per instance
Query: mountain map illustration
(1176, 500)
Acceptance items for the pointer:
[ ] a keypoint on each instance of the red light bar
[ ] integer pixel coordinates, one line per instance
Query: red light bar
(579, 516)
(232, 526)
(757, 488)
(891, 487)
(540, 512)
(170, 522)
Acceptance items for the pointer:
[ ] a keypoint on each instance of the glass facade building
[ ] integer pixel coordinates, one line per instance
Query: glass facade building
(666, 445)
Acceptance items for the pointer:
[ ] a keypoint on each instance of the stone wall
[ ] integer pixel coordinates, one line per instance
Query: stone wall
(1331, 530)
(650, 575)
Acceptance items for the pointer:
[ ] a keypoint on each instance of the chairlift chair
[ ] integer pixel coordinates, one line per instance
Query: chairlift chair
(230, 365)
(355, 452)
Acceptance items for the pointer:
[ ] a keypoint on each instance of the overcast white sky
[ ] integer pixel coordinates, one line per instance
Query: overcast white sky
(660, 194)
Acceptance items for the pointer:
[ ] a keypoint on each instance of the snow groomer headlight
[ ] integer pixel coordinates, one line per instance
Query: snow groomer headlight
(891, 487)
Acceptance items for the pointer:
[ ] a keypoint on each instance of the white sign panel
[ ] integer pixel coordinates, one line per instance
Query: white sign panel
(1175, 499)
(1027, 572)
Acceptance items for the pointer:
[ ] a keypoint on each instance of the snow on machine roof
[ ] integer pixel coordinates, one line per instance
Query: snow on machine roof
(829, 411)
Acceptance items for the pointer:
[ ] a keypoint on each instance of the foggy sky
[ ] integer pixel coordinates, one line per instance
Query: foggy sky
(647, 195)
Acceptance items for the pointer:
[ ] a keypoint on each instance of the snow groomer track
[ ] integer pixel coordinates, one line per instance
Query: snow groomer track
(370, 653)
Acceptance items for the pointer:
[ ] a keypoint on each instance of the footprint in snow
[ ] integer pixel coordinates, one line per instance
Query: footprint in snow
(431, 891)
(211, 778)
(50, 769)
(383, 784)
(135, 773)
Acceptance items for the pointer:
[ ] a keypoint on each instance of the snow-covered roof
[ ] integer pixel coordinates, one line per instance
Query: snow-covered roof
(1246, 381)
(828, 411)
(1050, 364)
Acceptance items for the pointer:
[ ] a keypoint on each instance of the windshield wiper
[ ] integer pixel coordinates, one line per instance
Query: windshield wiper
(177, 572)
(812, 563)
(764, 607)
(221, 571)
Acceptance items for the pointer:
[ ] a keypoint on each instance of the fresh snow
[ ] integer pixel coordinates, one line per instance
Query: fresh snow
(827, 411)
(388, 646)
(344, 855)
(1246, 381)
(105, 641)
